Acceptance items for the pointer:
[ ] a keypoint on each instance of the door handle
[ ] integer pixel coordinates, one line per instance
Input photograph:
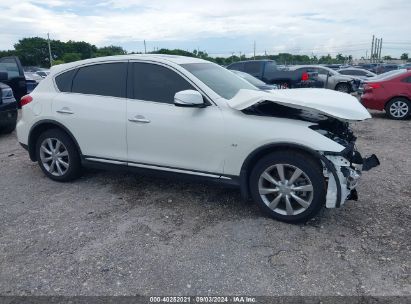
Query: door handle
(140, 119)
(65, 111)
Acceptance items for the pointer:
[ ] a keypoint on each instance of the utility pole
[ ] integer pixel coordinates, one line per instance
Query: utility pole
(379, 54)
(254, 49)
(50, 57)
(145, 48)
(377, 41)
(372, 49)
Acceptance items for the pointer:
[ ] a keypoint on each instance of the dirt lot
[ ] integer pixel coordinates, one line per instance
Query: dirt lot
(121, 234)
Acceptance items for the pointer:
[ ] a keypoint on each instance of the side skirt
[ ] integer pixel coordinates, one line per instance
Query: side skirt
(159, 171)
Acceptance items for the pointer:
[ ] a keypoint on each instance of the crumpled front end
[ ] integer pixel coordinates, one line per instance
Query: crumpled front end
(343, 170)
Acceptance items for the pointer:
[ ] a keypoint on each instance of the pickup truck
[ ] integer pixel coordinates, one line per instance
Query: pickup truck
(14, 76)
(12, 88)
(267, 71)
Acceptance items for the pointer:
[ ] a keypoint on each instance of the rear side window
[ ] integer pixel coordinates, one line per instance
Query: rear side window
(252, 67)
(157, 83)
(64, 80)
(107, 79)
(239, 66)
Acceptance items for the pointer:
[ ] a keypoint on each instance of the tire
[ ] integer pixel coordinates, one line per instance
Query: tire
(398, 108)
(343, 87)
(67, 164)
(8, 129)
(311, 180)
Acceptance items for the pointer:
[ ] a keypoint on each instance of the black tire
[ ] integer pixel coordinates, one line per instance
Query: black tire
(343, 87)
(311, 169)
(8, 129)
(73, 158)
(391, 108)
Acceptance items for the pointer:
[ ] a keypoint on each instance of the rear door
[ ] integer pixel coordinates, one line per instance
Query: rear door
(92, 105)
(16, 80)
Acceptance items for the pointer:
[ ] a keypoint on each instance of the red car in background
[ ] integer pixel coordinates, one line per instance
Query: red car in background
(391, 93)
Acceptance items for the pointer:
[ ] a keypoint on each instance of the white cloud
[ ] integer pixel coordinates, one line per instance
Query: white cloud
(318, 26)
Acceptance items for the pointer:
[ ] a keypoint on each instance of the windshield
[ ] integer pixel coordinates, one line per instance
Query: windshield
(219, 79)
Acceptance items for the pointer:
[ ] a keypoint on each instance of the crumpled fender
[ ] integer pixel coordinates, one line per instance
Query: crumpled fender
(331, 103)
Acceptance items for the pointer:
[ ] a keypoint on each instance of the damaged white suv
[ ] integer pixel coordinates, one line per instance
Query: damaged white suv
(290, 150)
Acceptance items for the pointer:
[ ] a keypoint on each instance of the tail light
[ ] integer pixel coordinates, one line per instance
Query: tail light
(305, 76)
(371, 86)
(25, 100)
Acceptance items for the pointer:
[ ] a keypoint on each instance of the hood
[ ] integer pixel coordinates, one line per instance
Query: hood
(331, 103)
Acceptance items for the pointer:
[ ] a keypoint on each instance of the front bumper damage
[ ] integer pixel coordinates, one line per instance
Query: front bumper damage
(343, 173)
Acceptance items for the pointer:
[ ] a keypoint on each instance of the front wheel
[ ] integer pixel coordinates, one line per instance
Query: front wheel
(57, 155)
(398, 108)
(288, 186)
(343, 87)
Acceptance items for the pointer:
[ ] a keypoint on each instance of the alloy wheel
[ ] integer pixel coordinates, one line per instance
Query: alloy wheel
(54, 156)
(285, 189)
(399, 109)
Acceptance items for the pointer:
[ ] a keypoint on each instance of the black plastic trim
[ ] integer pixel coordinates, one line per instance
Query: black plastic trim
(233, 181)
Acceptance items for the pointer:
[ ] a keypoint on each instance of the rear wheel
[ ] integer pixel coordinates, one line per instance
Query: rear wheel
(398, 108)
(57, 155)
(288, 186)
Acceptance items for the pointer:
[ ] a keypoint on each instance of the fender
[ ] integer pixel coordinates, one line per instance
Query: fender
(38, 127)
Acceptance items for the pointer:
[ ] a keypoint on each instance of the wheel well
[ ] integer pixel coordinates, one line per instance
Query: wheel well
(342, 82)
(41, 127)
(392, 98)
(256, 155)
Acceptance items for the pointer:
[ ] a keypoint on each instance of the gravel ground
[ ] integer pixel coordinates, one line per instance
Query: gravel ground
(112, 233)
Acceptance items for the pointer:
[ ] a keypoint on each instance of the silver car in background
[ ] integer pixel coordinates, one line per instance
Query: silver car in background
(330, 79)
(357, 73)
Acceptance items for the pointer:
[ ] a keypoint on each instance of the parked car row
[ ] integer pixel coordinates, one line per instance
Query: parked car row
(299, 76)
(389, 92)
(269, 73)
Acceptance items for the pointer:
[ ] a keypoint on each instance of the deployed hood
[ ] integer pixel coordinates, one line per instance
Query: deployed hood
(331, 103)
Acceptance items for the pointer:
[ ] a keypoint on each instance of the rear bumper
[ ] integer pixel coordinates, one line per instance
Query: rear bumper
(371, 102)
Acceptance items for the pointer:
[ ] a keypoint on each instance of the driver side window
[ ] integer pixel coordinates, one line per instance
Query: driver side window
(156, 83)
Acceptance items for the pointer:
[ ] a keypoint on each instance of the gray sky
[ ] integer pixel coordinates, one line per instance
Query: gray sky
(218, 27)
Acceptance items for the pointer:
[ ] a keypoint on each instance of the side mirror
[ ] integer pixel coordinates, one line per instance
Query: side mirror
(189, 98)
(4, 76)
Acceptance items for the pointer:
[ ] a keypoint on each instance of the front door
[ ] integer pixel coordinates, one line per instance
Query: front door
(161, 135)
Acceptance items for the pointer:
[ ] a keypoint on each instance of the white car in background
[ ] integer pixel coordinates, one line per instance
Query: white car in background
(292, 151)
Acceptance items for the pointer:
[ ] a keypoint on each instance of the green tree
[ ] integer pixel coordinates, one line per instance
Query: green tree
(404, 56)
(110, 51)
(70, 57)
(33, 51)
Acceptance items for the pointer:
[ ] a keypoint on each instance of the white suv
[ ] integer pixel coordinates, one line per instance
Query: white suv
(290, 150)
